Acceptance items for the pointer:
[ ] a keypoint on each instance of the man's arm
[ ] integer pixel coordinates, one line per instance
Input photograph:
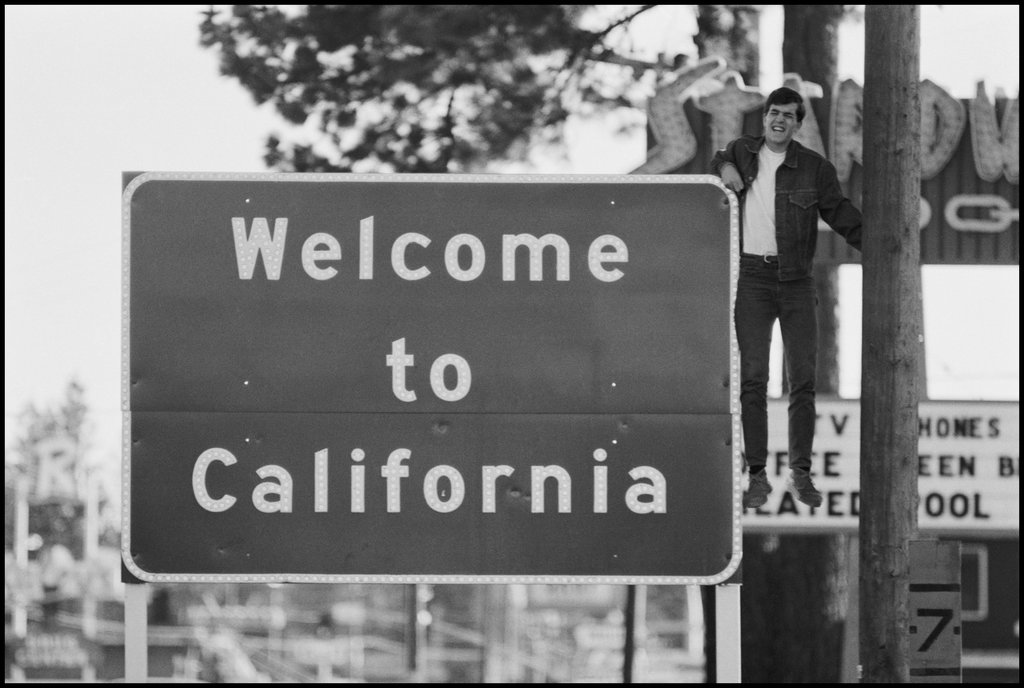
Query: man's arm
(724, 165)
(836, 209)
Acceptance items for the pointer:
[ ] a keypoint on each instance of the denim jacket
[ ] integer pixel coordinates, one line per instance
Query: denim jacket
(806, 186)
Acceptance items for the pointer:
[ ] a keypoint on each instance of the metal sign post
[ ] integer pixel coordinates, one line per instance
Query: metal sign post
(727, 632)
(136, 646)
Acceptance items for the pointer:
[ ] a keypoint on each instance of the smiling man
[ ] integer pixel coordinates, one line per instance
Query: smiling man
(783, 189)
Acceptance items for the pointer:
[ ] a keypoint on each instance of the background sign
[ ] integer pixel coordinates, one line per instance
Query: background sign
(968, 469)
(970, 155)
(436, 378)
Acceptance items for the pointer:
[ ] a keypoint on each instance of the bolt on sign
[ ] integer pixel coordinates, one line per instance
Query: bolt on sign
(430, 378)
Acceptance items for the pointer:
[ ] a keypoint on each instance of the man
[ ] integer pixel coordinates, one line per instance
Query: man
(783, 189)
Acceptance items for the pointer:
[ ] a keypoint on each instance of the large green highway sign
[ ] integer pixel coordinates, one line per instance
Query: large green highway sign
(416, 378)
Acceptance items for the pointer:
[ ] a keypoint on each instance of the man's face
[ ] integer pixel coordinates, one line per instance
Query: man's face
(780, 125)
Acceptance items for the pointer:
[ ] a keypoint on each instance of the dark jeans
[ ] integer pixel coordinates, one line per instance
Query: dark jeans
(761, 299)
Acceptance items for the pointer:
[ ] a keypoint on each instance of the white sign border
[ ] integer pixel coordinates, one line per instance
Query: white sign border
(734, 408)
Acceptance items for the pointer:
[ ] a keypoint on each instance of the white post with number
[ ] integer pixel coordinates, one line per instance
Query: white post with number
(935, 635)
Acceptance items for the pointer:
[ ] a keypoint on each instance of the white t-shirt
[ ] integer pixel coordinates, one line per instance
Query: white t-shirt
(759, 209)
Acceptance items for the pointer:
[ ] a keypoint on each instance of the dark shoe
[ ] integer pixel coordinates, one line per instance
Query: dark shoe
(803, 488)
(757, 493)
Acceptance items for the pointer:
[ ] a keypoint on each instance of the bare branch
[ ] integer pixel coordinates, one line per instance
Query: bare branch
(625, 20)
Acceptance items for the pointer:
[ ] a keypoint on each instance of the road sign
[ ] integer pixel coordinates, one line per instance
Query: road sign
(430, 378)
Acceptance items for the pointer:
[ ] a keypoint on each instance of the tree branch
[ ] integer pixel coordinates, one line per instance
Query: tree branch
(625, 20)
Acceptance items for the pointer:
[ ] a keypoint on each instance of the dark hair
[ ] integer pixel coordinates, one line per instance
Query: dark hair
(783, 96)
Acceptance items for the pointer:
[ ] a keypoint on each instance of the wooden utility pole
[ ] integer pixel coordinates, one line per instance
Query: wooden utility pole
(891, 337)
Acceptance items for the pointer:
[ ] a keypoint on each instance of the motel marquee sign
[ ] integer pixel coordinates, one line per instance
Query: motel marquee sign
(421, 378)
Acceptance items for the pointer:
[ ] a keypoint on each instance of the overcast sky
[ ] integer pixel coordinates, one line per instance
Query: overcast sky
(91, 91)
